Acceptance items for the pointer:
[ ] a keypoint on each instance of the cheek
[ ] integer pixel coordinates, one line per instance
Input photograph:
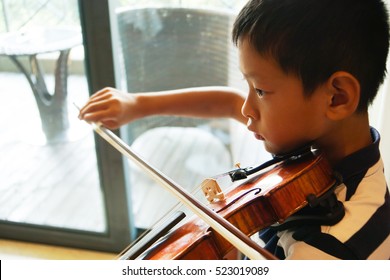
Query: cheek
(284, 115)
(275, 126)
(291, 123)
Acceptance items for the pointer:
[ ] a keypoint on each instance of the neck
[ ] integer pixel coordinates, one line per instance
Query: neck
(346, 137)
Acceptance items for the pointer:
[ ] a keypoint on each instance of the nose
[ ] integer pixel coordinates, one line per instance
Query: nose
(248, 110)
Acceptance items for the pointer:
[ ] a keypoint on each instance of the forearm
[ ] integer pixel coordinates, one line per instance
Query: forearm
(114, 108)
(203, 102)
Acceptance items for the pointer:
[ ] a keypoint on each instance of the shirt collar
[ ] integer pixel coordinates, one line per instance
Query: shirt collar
(361, 160)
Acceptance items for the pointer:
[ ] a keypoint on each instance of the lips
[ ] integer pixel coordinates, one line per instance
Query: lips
(259, 137)
(252, 129)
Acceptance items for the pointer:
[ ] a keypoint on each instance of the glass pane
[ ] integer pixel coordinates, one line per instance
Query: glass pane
(168, 45)
(48, 167)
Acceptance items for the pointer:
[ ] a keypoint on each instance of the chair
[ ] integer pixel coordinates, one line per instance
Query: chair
(170, 48)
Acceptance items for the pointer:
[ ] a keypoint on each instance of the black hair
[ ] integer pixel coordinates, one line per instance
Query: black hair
(313, 39)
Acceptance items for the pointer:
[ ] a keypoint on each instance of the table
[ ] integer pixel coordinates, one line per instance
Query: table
(52, 106)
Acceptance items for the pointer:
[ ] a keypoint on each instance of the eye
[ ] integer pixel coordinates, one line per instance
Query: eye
(260, 92)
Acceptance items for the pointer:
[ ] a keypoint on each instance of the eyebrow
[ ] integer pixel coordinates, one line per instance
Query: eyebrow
(248, 75)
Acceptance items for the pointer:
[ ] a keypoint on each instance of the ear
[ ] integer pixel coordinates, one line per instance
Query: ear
(343, 95)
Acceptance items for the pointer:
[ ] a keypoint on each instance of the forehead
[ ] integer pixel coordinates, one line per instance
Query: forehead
(255, 65)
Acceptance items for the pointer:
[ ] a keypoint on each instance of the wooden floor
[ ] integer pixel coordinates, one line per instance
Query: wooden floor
(46, 184)
(19, 250)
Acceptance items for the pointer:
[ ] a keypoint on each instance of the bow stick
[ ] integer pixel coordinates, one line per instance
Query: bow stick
(236, 237)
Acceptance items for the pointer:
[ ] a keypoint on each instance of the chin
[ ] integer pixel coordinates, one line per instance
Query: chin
(278, 150)
(272, 150)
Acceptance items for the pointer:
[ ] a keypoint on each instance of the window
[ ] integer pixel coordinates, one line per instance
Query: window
(61, 183)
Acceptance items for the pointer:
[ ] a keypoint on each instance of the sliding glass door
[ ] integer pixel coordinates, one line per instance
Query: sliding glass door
(61, 183)
(58, 184)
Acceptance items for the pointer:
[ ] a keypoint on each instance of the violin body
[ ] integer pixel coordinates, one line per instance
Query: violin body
(261, 201)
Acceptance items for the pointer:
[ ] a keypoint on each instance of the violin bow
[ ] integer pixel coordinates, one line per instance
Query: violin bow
(236, 237)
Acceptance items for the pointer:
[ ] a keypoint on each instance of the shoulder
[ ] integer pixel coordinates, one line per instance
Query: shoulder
(363, 233)
(365, 228)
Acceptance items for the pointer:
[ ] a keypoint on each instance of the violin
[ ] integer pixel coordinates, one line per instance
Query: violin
(266, 198)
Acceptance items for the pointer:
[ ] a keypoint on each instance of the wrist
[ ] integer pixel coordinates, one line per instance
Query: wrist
(141, 105)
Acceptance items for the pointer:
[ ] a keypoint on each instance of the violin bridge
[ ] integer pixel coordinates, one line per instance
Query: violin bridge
(212, 191)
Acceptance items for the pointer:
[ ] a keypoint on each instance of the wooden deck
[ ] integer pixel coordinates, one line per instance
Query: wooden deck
(186, 155)
(46, 184)
(57, 184)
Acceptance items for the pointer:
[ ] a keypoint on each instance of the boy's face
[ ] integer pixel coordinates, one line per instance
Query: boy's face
(278, 112)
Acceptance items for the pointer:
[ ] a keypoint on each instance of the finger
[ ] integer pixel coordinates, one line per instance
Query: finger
(99, 116)
(93, 106)
(98, 98)
(102, 92)
(110, 124)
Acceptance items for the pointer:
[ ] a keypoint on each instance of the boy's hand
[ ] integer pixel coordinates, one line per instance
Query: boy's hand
(111, 107)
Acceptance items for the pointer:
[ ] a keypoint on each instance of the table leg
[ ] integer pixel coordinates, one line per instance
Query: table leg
(52, 107)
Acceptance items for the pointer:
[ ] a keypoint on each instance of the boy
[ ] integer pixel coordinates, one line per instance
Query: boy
(313, 68)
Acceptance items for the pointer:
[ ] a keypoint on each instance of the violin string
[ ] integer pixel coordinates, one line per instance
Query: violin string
(159, 222)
